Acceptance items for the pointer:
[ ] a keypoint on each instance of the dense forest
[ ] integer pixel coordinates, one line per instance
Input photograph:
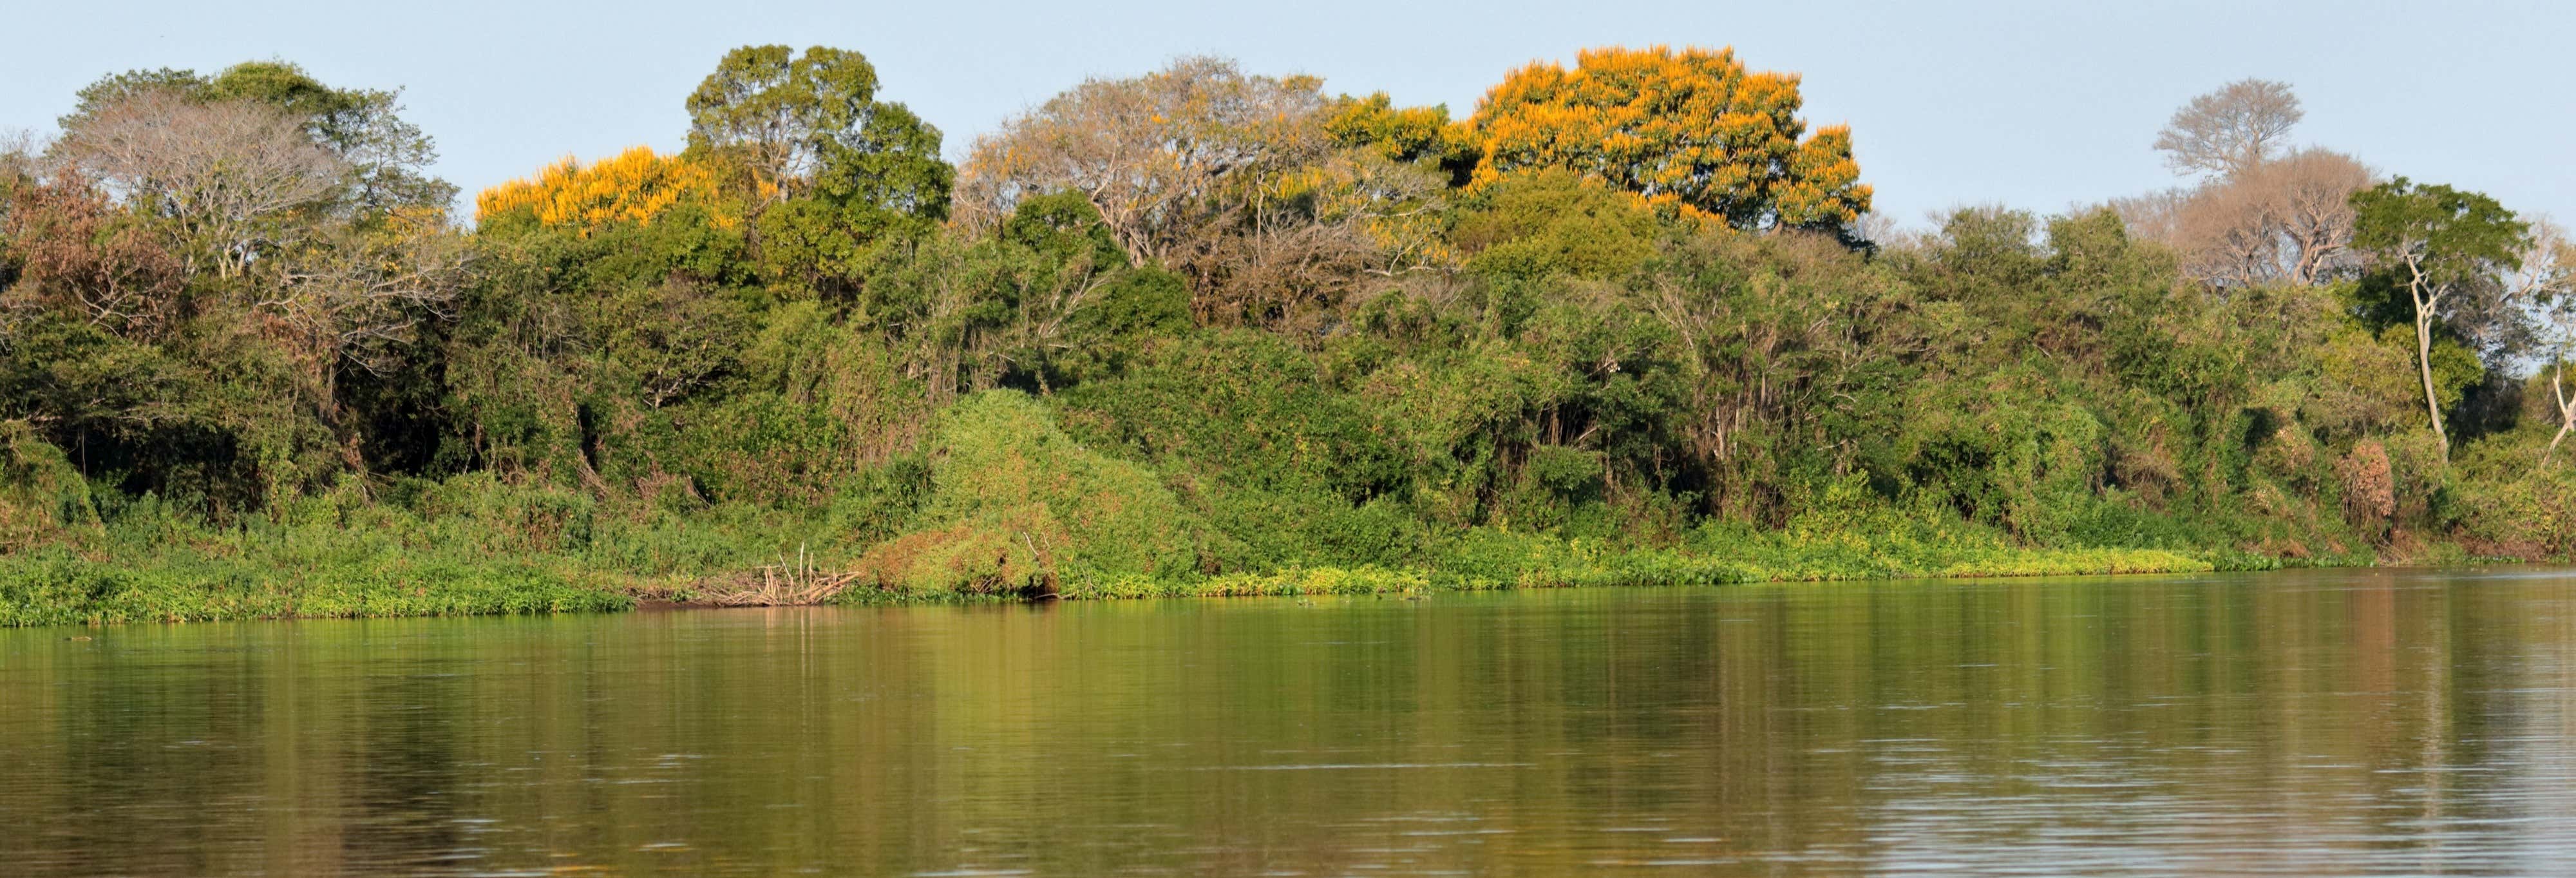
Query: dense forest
(1209, 331)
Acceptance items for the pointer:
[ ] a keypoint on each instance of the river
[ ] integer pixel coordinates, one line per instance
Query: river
(2296, 723)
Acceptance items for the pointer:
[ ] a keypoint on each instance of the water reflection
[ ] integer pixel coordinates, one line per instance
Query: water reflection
(2297, 723)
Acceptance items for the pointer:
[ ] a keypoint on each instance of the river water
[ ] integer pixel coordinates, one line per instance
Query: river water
(2311, 722)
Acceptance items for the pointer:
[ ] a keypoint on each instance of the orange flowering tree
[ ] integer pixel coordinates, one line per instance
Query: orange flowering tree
(636, 186)
(1688, 130)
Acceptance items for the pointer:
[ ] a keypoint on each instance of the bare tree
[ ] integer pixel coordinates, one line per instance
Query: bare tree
(227, 174)
(1305, 239)
(1887, 232)
(2155, 216)
(1154, 154)
(21, 155)
(2310, 197)
(1228, 178)
(2546, 279)
(2224, 236)
(2228, 131)
(2545, 275)
(2288, 220)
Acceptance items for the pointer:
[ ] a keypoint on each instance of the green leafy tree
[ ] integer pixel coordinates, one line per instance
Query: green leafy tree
(840, 172)
(2445, 249)
(810, 122)
(1552, 222)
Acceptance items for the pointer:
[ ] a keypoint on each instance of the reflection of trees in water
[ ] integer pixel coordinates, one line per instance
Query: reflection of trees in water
(2220, 722)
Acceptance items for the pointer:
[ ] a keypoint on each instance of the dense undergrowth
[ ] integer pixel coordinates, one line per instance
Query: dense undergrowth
(979, 522)
(473, 546)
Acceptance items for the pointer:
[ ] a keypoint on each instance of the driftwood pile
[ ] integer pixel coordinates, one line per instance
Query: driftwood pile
(782, 584)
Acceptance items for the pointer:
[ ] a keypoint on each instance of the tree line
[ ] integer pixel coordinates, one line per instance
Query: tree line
(1204, 321)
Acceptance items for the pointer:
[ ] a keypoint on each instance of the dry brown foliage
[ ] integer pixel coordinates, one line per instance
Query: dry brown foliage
(78, 257)
(2369, 485)
(2287, 220)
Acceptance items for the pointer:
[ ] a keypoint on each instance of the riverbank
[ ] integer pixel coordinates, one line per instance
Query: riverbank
(62, 587)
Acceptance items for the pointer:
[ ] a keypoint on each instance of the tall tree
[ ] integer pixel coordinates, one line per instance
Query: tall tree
(1157, 155)
(635, 186)
(388, 157)
(836, 174)
(1691, 129)
(2231, 130)
(802, 122)
(2443, 247)
(2547, 278)
(2288, 220)
(229, 176)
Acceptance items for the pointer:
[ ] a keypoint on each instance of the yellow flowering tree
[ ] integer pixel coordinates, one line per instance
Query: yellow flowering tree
(1688, 130)
(637, 186)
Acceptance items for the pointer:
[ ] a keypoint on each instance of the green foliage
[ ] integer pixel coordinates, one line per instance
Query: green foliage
(2440, 261)
(42, 497)
(1243, 406)
(1554, 222)
(841, 176)
(2512, 501)
(54, 588)
(1016, 505)
(1413, 135)
(2449, 235)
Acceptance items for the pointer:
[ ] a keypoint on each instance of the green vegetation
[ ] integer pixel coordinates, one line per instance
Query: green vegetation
(1210, 332)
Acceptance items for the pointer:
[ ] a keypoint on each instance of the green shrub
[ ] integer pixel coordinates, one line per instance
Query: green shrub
(42, 498)
(1015, 503)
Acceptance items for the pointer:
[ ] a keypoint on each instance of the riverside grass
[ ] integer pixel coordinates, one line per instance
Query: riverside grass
(64, 589)
(60, 587)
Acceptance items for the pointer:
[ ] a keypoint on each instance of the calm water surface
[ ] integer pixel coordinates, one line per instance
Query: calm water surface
(2350, 722)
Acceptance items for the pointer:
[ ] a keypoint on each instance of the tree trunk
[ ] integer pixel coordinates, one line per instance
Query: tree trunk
(2424, 355)
(2566, 413)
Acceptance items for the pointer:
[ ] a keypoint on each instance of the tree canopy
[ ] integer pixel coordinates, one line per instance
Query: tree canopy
(1688, 129)
(2231, 130)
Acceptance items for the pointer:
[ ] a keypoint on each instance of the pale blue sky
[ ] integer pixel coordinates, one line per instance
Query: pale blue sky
(2030, 104)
